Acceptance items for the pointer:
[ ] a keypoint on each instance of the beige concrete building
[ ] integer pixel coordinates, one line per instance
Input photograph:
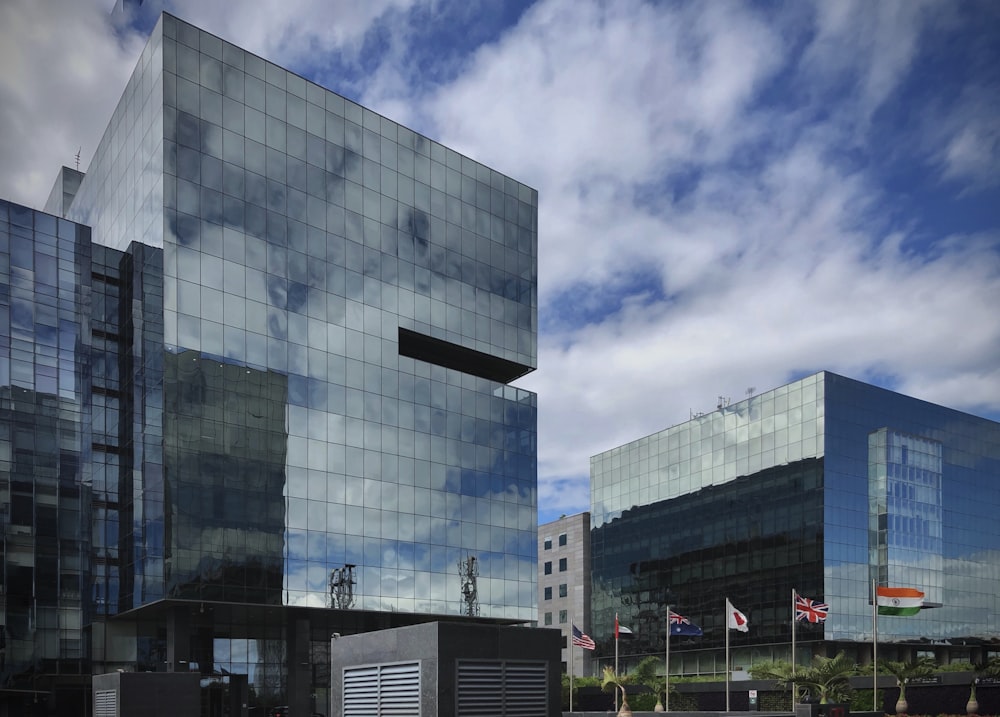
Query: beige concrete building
(564, 585)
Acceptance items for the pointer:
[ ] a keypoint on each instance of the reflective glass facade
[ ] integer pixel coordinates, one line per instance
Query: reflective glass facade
(45, 469)
(819, 486)
(294, 336)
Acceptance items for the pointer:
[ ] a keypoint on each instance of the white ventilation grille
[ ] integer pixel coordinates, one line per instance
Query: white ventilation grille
(106, 703)
(382, 690)
(502, 689)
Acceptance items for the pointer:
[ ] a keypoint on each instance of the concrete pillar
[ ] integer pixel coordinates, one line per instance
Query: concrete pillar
(239, 696)
(299, 665)
(178, 639)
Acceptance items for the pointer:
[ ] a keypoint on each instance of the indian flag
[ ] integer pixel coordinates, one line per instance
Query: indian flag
(899, 601)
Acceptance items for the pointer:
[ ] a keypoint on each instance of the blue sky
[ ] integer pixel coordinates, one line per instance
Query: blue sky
(731, 194)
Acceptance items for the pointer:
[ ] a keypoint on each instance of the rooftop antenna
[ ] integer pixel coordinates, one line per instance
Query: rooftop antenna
(724, 402)
(342, 584)
(750, 391)
(78, 158)
(468, 571)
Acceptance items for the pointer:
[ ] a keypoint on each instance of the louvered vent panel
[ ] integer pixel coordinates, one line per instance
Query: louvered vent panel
(382, 691)
(502, 689)
(106, 703)
(361, 692)
(524, 686)
(480, 689)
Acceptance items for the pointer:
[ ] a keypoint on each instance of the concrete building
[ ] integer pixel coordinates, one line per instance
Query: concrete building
(564, 585)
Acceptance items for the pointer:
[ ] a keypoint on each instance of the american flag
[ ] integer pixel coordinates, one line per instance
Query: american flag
(810, 610)
(583, 640)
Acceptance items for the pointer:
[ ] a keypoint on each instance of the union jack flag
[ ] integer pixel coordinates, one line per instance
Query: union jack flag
(810, 610)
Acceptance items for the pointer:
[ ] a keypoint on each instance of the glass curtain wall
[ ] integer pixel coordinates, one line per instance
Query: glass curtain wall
(302, 234)
(45, 428)
(319, 313)
(911, 499)
(819, 486)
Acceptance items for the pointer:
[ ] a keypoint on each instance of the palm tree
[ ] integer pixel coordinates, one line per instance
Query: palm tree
(645, 674)
(619, 681)
(990, 668)
(782, 672)
(906, 671)
(827, 677)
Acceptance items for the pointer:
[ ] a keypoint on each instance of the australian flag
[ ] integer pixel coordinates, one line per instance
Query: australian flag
(810, 610)
(680, 625)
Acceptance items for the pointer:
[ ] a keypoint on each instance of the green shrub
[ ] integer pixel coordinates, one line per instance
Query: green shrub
(578, 682)
(861, 700)
(683, 702)
(956, 667)
(643, 703)
(775, 701)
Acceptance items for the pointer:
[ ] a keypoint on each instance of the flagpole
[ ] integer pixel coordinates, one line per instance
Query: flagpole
(666, 671)
(572, 625)
(874, 647)
(616, 660)
(793, 643)
(728, 608)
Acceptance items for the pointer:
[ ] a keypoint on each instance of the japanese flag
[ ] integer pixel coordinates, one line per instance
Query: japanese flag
(736, 619)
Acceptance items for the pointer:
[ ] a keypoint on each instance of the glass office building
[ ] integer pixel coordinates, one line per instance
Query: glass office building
(256, 385)
(821, 486)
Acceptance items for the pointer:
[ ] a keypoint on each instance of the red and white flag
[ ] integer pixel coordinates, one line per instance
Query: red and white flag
(735, 619)
(621, 630)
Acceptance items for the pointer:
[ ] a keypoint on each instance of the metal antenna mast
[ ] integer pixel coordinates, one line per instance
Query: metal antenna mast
(342, 584)
(468, 570)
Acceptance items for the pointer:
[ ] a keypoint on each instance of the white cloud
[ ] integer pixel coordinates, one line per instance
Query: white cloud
(784, 278)
(584, 90)
(63, 72)
(65, 67)
(589, 101)
(711, 199)
(780, 257)
(869, 46)
(971, 150)
(292, 33)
